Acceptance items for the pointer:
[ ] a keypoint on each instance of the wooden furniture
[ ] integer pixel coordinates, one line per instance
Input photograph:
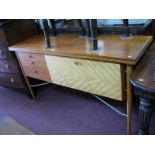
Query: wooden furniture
(12, 32)
(143, 81)
(92, 24)
(8, 126)
(71, 63)
(105, 26)
(141, 27)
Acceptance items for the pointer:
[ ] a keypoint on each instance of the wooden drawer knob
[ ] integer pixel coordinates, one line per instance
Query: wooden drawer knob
(35, 71)
(77, 63)
(31, 62)
(12, 80)
(29, 56)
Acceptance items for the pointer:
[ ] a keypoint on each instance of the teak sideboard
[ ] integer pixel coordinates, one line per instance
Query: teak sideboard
(71, 63)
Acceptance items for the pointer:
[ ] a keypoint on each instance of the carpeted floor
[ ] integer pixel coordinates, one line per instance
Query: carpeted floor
(63, 111)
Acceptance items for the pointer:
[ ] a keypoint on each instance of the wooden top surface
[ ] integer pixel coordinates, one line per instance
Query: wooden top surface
(111, 48)
(143, 76)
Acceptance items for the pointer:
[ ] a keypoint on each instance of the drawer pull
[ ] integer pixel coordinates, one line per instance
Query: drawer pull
(35, 71)
(77, 63)
(6, 66)
(12, 80)
(1, 52)
(30, 56)
(31, 62)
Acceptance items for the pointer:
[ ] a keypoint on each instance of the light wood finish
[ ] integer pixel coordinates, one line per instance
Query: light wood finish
(8, 126)
(26, 80)
(96, 77)
(110, 48)
(34, 65)
(129, 98)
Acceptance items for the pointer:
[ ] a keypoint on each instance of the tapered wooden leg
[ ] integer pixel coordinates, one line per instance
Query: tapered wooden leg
(30, 90)
(129, 99)
(145, 112)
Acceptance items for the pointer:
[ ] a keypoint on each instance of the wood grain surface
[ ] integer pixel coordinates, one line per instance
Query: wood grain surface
(143, 76)
(111, 48)
(96, 77)
(34, 65)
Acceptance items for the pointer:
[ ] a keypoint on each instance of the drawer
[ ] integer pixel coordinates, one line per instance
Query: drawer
(34, 65)
(101, 78)
(2, 36)
(11, 80)
(8, 66)
(5, 53)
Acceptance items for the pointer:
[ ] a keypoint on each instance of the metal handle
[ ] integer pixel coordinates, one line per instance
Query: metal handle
(1, 52)
(6, 66)
(12, 80)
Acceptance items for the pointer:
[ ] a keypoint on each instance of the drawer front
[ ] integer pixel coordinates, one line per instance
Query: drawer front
(8, 66)
(11, 80)
(4, 53)
(2, 37)
(96, 77)
(34, 65)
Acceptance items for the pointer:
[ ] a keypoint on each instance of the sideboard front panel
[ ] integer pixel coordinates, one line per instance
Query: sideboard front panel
(96, 77)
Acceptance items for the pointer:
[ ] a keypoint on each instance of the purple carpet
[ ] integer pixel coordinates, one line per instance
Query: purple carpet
(63, 111)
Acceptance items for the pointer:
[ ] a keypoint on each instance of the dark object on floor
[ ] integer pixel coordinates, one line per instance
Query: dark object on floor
(144, 86)
(8, 126)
